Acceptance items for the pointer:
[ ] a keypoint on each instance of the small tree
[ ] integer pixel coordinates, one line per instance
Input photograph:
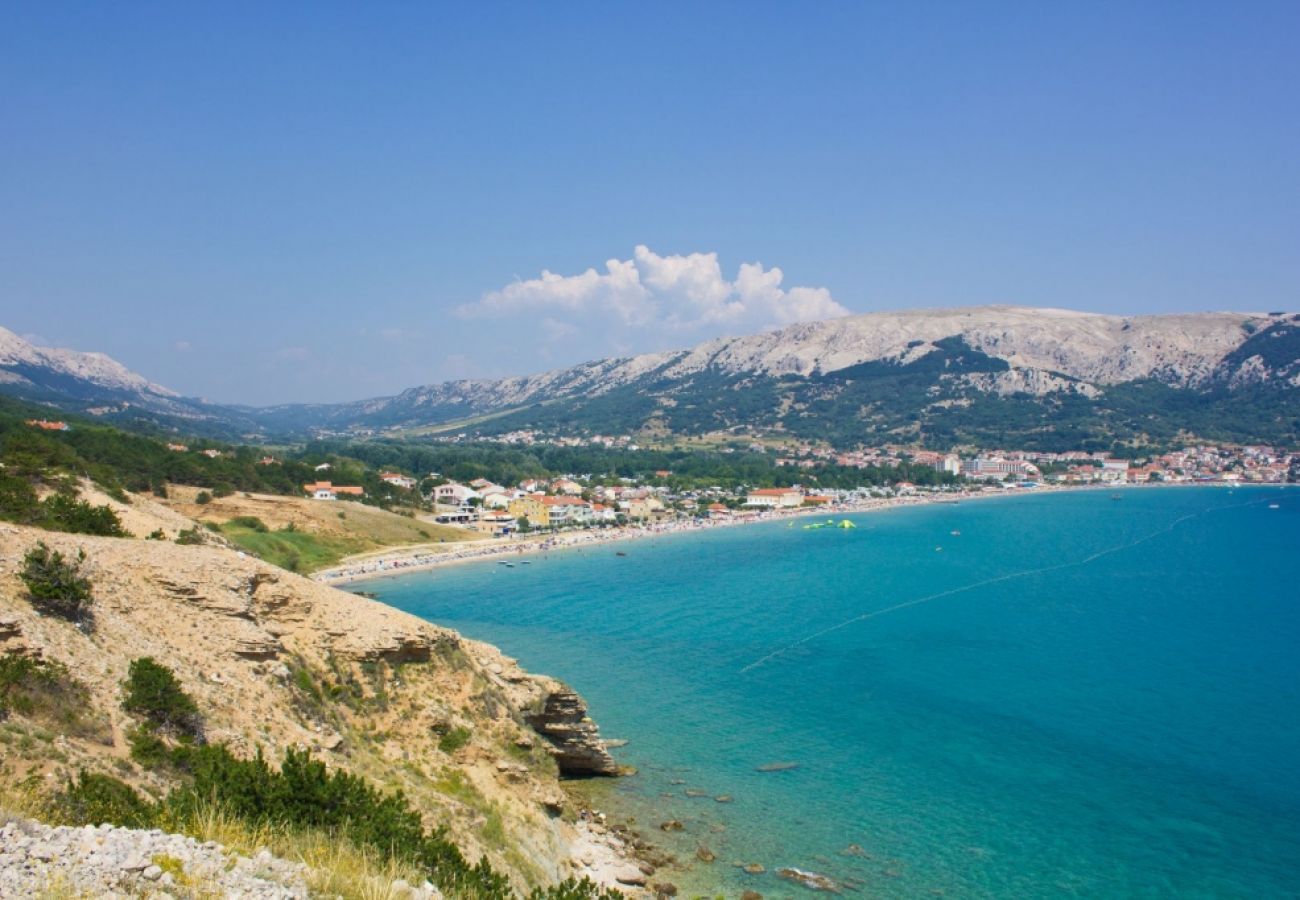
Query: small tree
(56, 585)
(203, 498)
(15, 669)
(524, 525)
(154, 694)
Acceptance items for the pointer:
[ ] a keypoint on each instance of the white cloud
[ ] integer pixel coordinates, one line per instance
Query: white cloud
(182, 346)
(686, 296)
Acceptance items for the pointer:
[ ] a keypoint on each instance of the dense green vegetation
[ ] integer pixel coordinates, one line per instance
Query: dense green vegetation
(153, 693)
(689, 468)
(296, 551)
(299, 794)
(56, 585)
(119, 460)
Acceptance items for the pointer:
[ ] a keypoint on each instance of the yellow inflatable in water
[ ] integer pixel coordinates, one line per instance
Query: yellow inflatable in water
(845, 523)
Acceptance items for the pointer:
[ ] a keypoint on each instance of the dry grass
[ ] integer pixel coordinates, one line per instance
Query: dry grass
(322, 533)
(336, 867)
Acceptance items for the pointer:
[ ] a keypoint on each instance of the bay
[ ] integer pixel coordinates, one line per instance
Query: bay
(1058, 694)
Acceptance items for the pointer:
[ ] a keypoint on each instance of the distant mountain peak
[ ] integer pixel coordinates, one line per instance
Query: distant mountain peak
(98, 369)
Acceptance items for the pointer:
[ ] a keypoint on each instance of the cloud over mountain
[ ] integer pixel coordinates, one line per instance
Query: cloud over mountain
(674, 294)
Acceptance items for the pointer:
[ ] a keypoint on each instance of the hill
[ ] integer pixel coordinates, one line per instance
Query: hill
(1034, 378)
(305, 535)
(98, 385)
(273, 662)
(996, 375)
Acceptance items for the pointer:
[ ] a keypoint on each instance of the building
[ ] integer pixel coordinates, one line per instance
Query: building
(495, 497)
(453, 494)
(566, 486)
(323, 490)
(641, 507)
(775, 498)
(567, 511)
(47, 425)
(497, 524)
(532, 508)
(396, 479)
(997, 467)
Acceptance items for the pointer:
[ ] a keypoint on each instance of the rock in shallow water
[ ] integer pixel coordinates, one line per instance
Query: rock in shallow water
(811, 880)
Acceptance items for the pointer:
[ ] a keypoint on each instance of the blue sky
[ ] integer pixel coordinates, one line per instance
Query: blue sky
(302, 202)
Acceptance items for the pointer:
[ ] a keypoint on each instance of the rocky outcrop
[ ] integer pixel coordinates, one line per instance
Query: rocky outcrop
(573, 736)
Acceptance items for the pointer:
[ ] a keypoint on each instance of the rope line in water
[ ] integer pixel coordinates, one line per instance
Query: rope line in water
(995, 580)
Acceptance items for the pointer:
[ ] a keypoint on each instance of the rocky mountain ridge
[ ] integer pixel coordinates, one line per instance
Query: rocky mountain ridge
(807, 378)
(875, 376)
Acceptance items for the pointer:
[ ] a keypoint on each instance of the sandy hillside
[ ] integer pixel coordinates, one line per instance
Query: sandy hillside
(276, 660)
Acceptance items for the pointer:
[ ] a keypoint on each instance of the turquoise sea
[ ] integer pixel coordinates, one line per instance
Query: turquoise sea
(1075, 695)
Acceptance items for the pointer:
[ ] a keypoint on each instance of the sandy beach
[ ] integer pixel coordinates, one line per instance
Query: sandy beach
(423, 557)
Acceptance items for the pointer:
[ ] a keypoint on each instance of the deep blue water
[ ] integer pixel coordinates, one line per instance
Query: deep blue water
(1113, 710)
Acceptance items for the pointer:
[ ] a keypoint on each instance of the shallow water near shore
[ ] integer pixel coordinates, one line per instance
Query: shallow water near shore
(1071, 696)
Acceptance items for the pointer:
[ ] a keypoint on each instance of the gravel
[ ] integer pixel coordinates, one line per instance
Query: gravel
(104, 861)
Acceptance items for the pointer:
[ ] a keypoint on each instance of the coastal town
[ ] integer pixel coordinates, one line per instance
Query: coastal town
(577, 509)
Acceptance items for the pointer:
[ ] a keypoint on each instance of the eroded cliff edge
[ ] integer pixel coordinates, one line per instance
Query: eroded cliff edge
(278, 661)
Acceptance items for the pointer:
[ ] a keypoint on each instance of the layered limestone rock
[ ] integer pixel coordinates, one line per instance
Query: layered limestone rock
(575, 739)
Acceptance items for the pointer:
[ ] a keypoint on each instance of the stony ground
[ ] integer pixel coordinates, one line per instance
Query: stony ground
(103, 861)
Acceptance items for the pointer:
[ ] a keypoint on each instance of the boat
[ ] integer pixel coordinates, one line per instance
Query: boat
(1273, 506)
(955, 533)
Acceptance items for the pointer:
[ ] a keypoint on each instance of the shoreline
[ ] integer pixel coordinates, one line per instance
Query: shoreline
(419, 558)
(608, 844)
(422, 558)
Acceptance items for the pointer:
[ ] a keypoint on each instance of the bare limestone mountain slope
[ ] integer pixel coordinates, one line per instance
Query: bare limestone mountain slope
(940, 376)
(100, 385)
(998, 373)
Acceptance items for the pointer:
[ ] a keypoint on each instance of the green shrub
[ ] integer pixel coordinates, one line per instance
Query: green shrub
(18, 501)
(304, 793)
(251, 522)
(153, 693)
(572, 889)
(60, 512)
(56, 585)
(147, 748)
(45, 691)
(189, 536)
(156, 535)
(453, 740)
(15, 672)
(203, 498)
(94, 799)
